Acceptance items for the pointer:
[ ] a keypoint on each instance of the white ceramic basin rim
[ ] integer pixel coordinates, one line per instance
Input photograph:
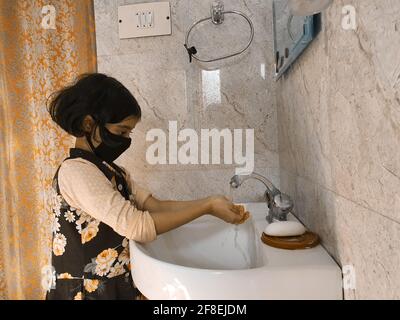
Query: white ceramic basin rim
(210, 259)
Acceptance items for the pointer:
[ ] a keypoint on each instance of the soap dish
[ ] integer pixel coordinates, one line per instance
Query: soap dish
(304, 241)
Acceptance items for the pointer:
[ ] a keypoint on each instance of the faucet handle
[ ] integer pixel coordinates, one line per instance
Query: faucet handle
(283, 202)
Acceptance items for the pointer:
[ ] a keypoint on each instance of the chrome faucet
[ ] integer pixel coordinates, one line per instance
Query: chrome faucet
(279, 204)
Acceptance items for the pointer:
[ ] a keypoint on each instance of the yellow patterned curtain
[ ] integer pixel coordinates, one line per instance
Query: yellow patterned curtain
(43, 46)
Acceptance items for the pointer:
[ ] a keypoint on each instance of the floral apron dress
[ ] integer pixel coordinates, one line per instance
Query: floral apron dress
(89, 259)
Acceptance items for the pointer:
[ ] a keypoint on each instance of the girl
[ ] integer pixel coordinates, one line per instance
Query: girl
(97, 206)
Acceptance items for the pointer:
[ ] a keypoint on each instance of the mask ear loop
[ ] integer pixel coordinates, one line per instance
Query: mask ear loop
(89, 135)
(88, 139)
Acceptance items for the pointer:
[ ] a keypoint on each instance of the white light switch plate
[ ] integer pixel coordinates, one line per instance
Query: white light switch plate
(144, 20)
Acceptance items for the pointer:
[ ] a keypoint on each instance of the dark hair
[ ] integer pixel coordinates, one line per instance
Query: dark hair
(95, 94)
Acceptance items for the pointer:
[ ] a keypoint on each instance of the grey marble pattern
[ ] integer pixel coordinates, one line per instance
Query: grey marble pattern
(353, 235)
(339, 142)
(328, 133)
(237, 93)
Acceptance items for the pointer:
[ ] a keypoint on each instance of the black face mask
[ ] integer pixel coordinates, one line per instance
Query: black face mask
(112, 145)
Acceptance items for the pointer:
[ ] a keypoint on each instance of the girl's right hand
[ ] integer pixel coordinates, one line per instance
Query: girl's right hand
(224, 209)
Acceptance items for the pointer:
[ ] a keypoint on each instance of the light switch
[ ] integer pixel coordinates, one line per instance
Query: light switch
(144, 20)
(149, 19)
(138, 20)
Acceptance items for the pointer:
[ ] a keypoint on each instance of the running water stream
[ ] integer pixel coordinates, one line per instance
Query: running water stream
(236, 234)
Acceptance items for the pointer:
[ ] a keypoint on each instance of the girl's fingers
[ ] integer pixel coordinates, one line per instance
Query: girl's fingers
(240, 214)
(243, 217)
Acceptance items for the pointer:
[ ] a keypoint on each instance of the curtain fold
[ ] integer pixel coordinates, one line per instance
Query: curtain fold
(42, 48)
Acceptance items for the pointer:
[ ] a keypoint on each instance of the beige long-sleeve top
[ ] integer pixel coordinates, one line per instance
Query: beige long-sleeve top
(85, 187)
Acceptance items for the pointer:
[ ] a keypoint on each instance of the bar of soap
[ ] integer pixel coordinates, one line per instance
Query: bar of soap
(285, 229)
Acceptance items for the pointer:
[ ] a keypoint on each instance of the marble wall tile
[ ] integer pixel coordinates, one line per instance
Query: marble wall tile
(190, 184)
(339, 141)
(237, 93)
(341, 126)
(352, 234)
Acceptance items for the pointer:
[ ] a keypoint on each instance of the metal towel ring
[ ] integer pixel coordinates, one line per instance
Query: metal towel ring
(217, 17)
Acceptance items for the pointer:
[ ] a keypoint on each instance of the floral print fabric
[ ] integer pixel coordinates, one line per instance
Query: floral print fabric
(89, 259)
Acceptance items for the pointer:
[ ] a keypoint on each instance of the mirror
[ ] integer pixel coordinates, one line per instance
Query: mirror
(292, 35)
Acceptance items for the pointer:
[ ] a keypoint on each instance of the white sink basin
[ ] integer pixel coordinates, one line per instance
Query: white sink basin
(210, 259)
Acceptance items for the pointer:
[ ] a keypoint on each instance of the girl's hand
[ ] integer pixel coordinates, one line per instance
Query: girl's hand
(221, 207)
